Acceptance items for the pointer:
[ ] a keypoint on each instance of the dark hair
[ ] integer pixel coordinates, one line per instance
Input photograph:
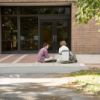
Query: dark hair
(45, 44)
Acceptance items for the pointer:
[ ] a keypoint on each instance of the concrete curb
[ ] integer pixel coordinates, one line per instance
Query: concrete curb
(41, 68)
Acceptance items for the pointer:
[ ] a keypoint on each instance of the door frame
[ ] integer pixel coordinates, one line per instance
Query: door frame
(53, 20)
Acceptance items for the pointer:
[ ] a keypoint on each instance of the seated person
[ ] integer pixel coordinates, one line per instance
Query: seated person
(63, 52)
(65, 55)
(43, 55)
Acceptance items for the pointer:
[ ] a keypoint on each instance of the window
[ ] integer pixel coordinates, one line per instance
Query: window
(42, 10)
(9, 10)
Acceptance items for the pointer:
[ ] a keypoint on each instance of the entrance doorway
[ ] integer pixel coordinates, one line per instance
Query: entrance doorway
(54, 31)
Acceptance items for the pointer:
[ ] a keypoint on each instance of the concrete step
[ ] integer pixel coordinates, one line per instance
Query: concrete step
(41, 68)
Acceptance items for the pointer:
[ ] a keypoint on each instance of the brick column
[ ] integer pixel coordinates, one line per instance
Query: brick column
(73, 28)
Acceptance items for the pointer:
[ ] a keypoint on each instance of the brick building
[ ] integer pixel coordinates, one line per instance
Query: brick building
(26, 24)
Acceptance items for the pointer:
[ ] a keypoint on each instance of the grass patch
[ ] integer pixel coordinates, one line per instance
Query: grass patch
(87, 81)
(85, 72)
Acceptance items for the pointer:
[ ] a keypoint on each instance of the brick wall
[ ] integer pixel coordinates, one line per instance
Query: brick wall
(85, 37)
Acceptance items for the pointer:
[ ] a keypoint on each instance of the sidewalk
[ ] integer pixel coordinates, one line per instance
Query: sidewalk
(39, 89)
(22, 78)
(89, 58)
(91, 61)
(26, 63)
(31, 58)
(41, 68)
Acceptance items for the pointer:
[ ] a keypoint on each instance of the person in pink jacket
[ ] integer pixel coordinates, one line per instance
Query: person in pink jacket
(43, 55)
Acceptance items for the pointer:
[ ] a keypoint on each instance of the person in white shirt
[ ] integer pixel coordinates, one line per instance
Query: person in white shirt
(63, 52)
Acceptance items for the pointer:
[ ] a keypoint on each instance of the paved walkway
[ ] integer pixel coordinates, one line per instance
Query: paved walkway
(18, 58)
(18, 62)
(26, 63)
(22, 78)
(39, 87)
(41, 68)
(89, 58)
(31, 58)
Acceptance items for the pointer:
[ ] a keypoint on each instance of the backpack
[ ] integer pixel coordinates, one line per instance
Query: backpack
(72, 58)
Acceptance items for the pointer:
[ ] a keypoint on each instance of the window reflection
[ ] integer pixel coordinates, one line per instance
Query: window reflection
(46, 33)
(9, 33)
(62, 32)
(29, 33)
(42, 10)
(9, 10)
(35, 10)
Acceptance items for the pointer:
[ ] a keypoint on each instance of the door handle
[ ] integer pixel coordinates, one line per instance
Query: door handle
(53, 38)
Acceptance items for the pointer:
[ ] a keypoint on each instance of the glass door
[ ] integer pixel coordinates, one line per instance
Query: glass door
(54, 31)
(47, 34)
(63, 32)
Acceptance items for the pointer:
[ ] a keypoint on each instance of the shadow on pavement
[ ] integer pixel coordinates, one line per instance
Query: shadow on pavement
(31, 91)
